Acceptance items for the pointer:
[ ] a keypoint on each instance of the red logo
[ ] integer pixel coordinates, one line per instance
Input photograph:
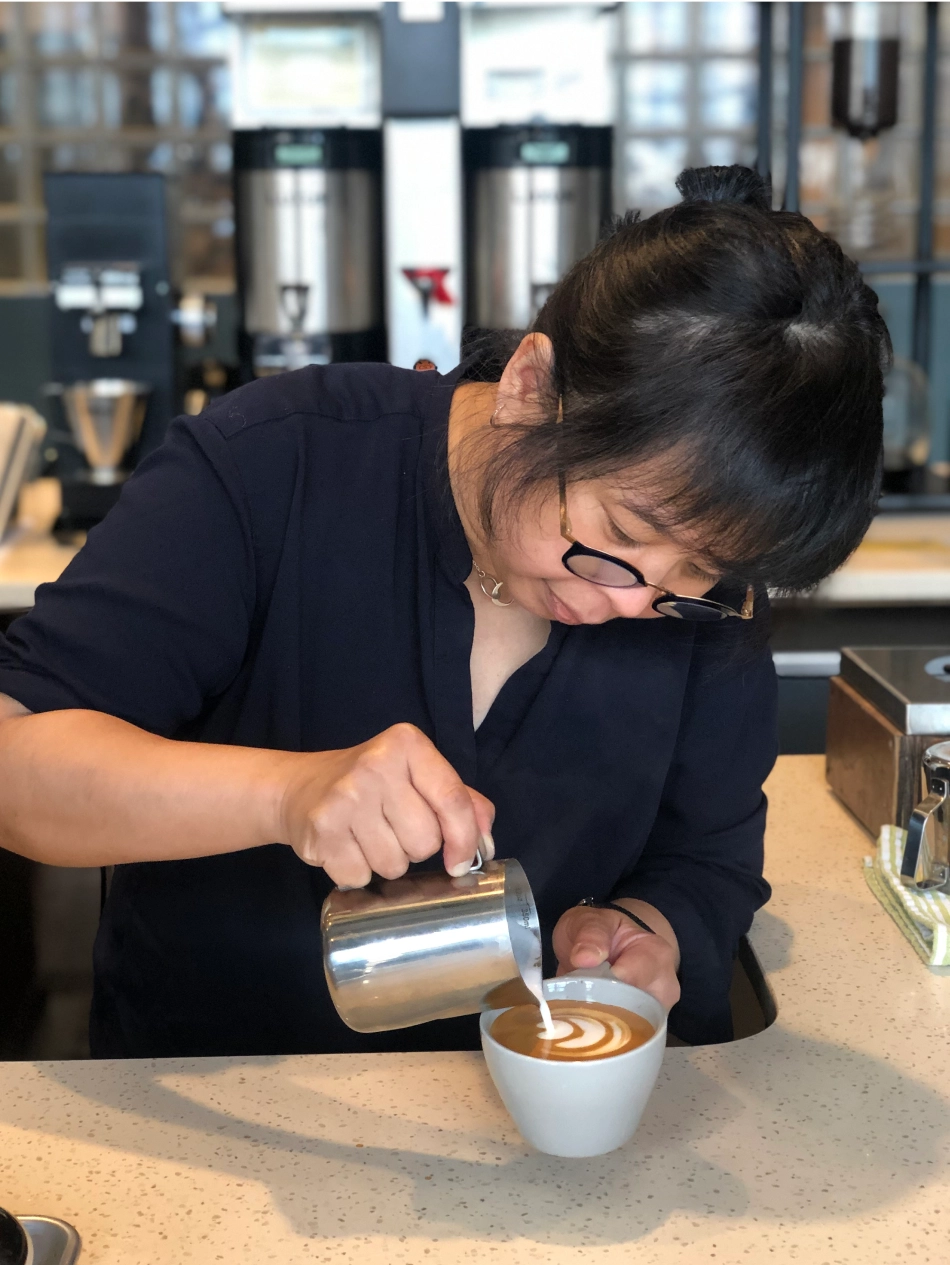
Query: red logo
(430, 284)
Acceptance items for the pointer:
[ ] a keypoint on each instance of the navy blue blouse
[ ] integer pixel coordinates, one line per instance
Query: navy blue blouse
(287, 571)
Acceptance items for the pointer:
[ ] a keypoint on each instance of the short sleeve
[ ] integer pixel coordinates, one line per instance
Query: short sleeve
(151, 619)
(702, 864)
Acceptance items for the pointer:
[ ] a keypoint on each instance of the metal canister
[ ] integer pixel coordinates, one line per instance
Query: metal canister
(536, 200)
(426, 946)
(309, 245)
(926, 861)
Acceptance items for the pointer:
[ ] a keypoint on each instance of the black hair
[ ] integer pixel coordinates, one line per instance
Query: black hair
(732, 355)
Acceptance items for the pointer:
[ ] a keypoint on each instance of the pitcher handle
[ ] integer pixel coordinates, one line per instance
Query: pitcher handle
(924, 865)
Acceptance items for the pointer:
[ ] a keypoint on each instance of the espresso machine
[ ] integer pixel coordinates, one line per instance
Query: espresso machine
(537, 199)
(111, 330)
(308, 220)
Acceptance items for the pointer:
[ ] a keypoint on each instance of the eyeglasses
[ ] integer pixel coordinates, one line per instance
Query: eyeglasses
(614, 573)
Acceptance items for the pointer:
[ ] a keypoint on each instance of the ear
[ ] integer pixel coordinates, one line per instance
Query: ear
(526, 381)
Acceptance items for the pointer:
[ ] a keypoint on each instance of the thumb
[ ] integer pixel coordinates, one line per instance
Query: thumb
(592, 941)
(485, 817)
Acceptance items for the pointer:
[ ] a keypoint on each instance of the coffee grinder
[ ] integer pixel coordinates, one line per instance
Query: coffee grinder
(112, 341)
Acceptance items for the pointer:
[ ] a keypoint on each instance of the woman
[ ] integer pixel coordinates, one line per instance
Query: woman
(354, 616)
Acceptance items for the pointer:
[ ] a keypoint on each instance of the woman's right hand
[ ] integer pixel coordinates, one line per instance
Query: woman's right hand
(376, 807)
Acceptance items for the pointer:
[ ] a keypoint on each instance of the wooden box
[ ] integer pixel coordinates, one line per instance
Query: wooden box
(872, 766)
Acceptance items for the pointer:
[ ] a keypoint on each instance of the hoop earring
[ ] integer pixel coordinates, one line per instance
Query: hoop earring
(495, 589)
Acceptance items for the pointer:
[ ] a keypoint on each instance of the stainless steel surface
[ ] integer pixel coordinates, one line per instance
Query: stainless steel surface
(105, 416)
(897, 681)
(426, 946)
(54, 1242)
(108, 294)
(310, 250)
(527, 226)
(105, 334)
(926, 861)
(99, 287)
(939, 667)
(807, 663)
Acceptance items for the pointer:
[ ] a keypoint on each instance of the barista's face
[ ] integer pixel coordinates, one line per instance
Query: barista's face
(530, 549)
(529, 557)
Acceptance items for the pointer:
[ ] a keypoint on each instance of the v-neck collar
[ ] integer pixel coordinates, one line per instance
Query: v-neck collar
(451, 622)
(513, 701)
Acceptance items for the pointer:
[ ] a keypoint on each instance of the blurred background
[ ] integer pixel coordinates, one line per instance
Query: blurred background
(156, 88)
(195, 194)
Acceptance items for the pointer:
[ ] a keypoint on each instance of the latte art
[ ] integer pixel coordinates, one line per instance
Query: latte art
(581, 1033)
(581, 1030)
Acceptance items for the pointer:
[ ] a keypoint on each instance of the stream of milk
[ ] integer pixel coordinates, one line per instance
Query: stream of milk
(551, 1029)
(527, 948)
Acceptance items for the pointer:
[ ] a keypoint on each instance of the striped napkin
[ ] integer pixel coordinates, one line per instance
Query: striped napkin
(924, 917)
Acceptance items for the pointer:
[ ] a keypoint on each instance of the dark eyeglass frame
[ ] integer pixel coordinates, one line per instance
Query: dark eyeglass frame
(670, 604)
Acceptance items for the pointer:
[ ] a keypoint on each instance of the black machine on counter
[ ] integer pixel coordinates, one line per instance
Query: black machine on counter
(112, 335)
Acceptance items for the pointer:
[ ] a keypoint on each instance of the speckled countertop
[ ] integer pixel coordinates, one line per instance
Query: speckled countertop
(825, 1139)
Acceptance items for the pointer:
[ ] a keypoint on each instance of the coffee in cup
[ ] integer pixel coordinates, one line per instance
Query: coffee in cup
(574, 1105)
(581, 1030)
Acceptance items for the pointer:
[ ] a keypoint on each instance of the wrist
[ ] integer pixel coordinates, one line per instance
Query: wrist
(279, 775)
(590, 903)
(657, 921)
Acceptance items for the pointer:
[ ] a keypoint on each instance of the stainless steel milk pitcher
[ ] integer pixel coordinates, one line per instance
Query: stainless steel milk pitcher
(426, 946)
(926, 861)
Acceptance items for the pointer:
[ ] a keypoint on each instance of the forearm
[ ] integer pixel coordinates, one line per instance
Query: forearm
(83, 788)
(653, 918)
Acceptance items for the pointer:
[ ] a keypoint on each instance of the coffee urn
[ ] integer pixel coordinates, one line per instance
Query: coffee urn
(537, 199)
(309, 246)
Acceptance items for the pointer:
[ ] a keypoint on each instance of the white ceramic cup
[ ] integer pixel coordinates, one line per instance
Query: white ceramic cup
(580, 1108)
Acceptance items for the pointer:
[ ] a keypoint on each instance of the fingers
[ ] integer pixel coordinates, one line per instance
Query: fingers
(414, 826)
(485, 816)
(378, 842)
(585, 938)
(347, 865)
(390, 834)
(451, 801)
(591, 939)
(437, 810)
(394, 799)
(647, 962)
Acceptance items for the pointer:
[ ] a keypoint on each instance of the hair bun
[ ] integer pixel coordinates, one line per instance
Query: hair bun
(725, 184)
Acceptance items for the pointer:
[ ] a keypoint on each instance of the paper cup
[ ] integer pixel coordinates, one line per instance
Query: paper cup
(582, 1108)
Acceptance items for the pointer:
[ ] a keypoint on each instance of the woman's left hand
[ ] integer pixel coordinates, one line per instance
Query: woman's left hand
(586, 937)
